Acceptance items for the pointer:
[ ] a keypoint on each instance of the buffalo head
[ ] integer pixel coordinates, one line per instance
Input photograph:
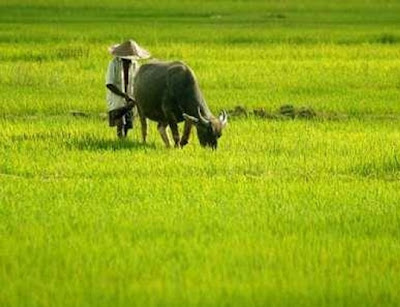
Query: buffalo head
(209, 130)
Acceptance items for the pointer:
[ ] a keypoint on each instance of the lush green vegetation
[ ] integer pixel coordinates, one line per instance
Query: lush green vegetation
(286, 212)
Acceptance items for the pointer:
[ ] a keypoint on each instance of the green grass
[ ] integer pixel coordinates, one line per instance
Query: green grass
(285, 213)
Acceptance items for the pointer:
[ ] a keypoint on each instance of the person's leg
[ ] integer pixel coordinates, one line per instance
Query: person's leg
(115, 120)
(119, 118)
(128, 121)
(120, 128)
(126, 114)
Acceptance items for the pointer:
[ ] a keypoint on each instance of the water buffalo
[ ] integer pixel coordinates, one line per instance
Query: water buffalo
(168, 93)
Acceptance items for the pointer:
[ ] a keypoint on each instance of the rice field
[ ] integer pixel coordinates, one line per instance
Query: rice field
(287, 212)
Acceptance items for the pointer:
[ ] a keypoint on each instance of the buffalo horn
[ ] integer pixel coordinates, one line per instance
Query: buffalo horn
(203, 120)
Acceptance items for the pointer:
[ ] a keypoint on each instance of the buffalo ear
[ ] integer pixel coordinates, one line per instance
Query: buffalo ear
(190, 118)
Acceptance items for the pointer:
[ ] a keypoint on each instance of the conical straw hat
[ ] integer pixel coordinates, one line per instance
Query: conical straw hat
(129, 50)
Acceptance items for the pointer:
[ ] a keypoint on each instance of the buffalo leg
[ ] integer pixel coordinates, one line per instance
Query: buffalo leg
(163, 132)
(172, 122)
(186, 132)
(175, 133)
(143, 123)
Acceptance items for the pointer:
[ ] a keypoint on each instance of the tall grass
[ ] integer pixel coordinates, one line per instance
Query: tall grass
(278, 215)
(286, 212)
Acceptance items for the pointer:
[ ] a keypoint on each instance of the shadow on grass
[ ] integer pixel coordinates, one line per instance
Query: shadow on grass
(98, 144)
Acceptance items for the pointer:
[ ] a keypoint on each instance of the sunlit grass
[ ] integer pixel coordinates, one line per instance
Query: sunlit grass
(280, 212)
(284, 213)
(355, 80)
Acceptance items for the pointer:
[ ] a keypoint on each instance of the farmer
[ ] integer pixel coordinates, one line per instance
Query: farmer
(119, 83)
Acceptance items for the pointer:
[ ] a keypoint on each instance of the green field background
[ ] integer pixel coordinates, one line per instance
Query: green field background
(285, 213)
(342, 57)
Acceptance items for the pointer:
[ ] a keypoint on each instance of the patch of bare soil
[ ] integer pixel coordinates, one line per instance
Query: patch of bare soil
(284, 112)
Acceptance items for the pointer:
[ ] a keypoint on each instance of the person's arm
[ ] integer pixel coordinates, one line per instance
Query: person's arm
(118, 92)
(112, 72)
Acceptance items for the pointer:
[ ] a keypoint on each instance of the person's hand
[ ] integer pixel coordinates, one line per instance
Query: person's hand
(128, 98)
